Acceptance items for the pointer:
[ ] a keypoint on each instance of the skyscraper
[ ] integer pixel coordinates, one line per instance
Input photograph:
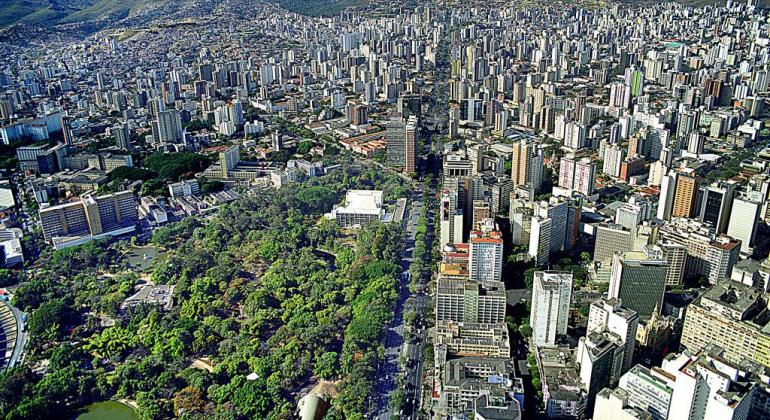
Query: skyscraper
(122, 136)
(717, 203)
(551, 294)
(521, 160)
(611, 238)
(169, 127)
(411, 142)
(744, 221)
(395, 131)
(66, 129)
(685, 196)
(639, 282)
(486, 256)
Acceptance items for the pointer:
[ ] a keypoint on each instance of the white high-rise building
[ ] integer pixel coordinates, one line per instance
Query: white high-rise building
(450, 219)
(540, 239)
(667, 194)
(575, 135)
(613, 159)
(551, 294)
(169, 127)
(744, 221)
(690, 386)
(485, 259)
(608, 315)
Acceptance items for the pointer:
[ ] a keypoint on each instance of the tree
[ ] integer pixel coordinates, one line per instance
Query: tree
(50, 315)
(189, 400)
(327, 365)
(525, 330)
(212, 186)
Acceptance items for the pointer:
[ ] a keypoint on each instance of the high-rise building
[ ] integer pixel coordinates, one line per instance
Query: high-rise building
(481, 211)
(463, 300)
(540, 239)
(611, 238)
(729, 315)
(744, 221)
(676, 257)
(551, 295)
(228, 159)
(486, 256)
(395, 130)
(689, 386)
(639, 282)
(66, 129)
(357, 113)
(609, 315)
(708, 254)
(411, 143)
(577, 175)
(667, 194)
(450, 219)
(168, 127)
(122, 136)
(717, 203)
(685, 196)
(88, 218)
(613, 159)
(600, 357)
(522, 159)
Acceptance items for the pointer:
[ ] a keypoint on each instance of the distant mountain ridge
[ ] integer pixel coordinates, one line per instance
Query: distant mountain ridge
(49, 13)
(53, 12)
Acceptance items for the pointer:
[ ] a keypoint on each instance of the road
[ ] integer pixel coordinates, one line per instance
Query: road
(394, 342)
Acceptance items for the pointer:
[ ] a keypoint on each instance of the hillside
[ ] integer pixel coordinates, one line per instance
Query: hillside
(48, 13)
(318, 7)
(42, 12)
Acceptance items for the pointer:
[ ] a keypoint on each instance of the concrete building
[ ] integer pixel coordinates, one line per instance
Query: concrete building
(184, 188)
(611, 238)
(361, 207)
(540, 239)
(481, 211)
(462, 300)
(450, 219)
(600, 357)
(608, 315)
(90, 217)
(685, 196)
(471, 339)
(486, 256)
(744, 221)
(563, 393)
(463, 380)
(577, 175)
(717, 203)
(612, 404)
(551, 296)
(411, 144)
(708, 254)
(731, 316)
(689, 386)
(395, 130)
(639, 281)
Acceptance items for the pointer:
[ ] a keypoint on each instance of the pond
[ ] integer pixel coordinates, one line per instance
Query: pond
(140, 259)
(107, 410)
